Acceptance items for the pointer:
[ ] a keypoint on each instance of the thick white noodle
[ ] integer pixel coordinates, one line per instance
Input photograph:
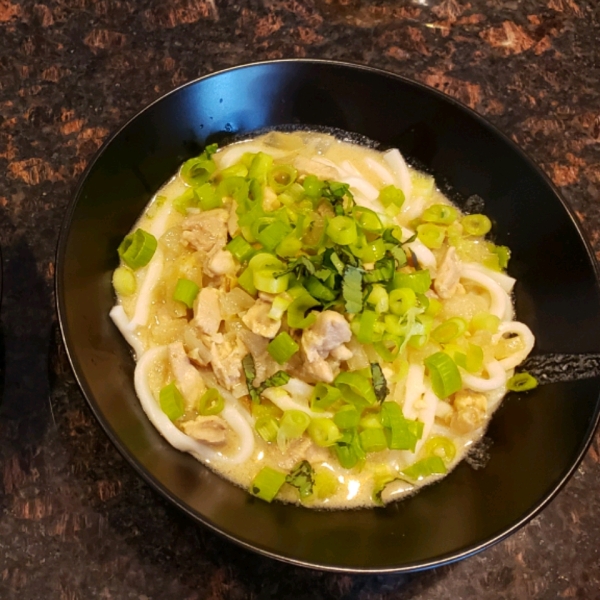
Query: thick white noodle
(144, 298)
(422, 252)
(298, 389)
(520, 329)
(284, 401)
(496, 378)
(415, 388)
(351, 169)
(401, 173)
(178, 439)
(500, 304)
(506, 282)
(426, 415)
(158, 225)
(384, 174)
(117, 314)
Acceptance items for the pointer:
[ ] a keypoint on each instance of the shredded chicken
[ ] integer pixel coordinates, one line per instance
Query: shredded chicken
(448, 276)
(325, 338)
(206, 231)
(207, 311)
(227, 362)
(471, 408)
(189, 382)
(258, 321)
(220, 262)
(211, 430)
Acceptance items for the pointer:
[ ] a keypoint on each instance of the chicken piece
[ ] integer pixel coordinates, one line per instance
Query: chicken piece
(448, 276)
(188, 380)
(308, 166)
(341, 353)
(207, 311)
(258, 321)
(232, 222)
(227, 362)
(471, 409)
(220, 263)
(211, 430)
(326, 334)
(270, 200)
(206, 231)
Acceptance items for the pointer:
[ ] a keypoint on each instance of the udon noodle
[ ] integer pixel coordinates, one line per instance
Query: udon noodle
(315, 321)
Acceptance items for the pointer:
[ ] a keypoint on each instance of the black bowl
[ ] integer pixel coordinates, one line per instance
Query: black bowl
(537, 439)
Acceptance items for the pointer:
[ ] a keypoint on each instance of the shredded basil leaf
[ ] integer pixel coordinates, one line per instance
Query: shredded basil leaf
(250, 375)
(352, 290)
(379, 382)
(278, 379)
(302, 478)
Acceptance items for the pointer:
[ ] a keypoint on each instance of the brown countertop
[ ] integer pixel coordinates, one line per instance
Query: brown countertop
(75, 521)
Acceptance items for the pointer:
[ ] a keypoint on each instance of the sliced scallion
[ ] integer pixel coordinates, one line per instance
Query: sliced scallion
(267, 483)
(137, 249)
(171, 401)
(186, 292)
(282, 347)
(211, 403)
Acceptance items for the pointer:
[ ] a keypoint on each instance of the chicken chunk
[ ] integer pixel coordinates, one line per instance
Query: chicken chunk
(326, 334)
(211, 430)
(188, 380)
(294, 453)
(471, 408)
(226, 362)
(447, 281)
(220, 263)
(207, 311)
(206, 231)
(258, 321)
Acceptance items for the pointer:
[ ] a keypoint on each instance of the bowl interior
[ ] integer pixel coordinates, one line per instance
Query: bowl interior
(536, 439)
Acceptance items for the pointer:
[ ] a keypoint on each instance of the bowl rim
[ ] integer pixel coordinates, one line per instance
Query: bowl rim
(440, 560)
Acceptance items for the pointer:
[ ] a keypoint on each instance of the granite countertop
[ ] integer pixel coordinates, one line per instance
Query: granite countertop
(75, 520)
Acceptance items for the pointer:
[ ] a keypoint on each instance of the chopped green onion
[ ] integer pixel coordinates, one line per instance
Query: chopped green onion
(302, 478)
(371, 421)
(267, 483)
(208, 197)
(419, 281)
(402, 300)
(197, 171)
(403, 433)
(342, 230)
(368, 251)
(358, 383)
(389, 347)
(281, 177)
(364, 327)
(367, 219)
(348, 449)
(442, 214)
(211, 403)
(267, 428)
(391, 195)
(270, 281)
(440, 446)
(279, 305)
(171, 401)
(503, 254)
(485, 321)
(137, 249)
(259, 167)
(293, 424)
(272, 235)
(186, 292)
(383, 271)
(324, 396)
(474, 358)
(246, 281)
(323, 432)
(476, 224)
(296, 314)
(444, 375)
(373, 440)
(289, 246)
(347, 417)
(319, 291)
(434, 307)
(313, 186)
(521, 382)
(425, 467)
(352, 290)
(379, 299)
(449, 330)
(240, 248)
(431, 235)
(282, 347)
(186, 200)
(124, 281)
(234, 187)
(326, 484)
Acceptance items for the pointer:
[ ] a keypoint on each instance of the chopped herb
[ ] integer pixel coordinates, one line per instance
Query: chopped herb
(210, 150)
(398, 255)
(250, 375)
(379, 382)
(352, 290)
(280, 378)
(302, 477)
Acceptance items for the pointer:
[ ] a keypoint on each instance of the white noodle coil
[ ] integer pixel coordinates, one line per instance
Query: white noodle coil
(401, 173)
(520, 329)
(424, 255)
(500, 304)
(231, 413)
(496, 378)
(144, 298)
(414, 390)
(284, 401)
(117, 314)
(506, 282)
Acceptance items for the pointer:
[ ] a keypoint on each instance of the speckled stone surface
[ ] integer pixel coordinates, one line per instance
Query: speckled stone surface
(75, 521)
